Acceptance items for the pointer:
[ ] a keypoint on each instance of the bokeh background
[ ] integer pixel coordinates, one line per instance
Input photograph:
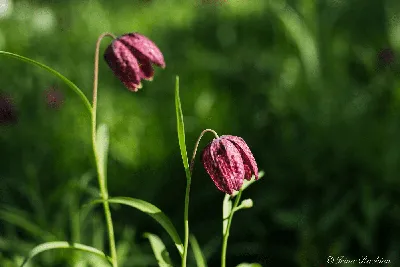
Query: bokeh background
(312, 86)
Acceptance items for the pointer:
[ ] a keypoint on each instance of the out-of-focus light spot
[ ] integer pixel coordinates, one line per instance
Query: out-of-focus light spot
(290, 72)
(204, 103)
(260, 119)
(226, 35)
(23, 11)
(43, 20)
(5, 8)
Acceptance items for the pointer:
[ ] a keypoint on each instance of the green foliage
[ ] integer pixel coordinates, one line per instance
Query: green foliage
(181, 128)
(63, 245)
(154, 212)
(159, 250)
(197, 252)
(300, 81)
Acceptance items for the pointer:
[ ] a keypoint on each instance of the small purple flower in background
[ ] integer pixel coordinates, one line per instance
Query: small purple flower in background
(130, 57)
(228, 160)
(54, 98)
(8, 114)
(386, 57)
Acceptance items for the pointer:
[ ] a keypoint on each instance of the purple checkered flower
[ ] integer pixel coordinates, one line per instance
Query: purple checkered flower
(228, 160)
(130, 57)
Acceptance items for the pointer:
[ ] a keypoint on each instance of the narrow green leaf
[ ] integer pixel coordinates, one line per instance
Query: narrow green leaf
(18, 218)
(102, 143)
(248, 183)
(151, 210)
(198, 254)
(226, 211)
(159, 250)
(302, 36)
(55, 73)
(181, 128)
(63, 245)
(249, 265)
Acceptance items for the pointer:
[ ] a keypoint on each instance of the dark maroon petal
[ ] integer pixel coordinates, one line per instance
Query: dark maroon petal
(249, 162)
(146, 70)
(213, 171)
(143, 47)
(229, 162)
(124, 65)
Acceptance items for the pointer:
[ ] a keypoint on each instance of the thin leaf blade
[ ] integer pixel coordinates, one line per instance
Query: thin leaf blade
(55, 73)
(198, 254)
(152, 211)
(64, 245)
(159, 250)
(181, 128)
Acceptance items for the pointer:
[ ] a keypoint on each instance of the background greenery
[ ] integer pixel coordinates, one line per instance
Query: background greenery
(301, 81)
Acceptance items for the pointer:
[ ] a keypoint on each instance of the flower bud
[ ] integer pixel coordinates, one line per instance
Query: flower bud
(228, 160)
(130, 57)
(246, 204)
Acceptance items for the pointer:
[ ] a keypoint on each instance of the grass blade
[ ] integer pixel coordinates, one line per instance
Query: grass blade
(181, 128)
(64, 245)
(198, 254)
(159, 250)
(152, 211)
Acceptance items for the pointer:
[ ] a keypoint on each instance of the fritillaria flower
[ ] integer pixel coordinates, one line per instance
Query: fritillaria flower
(228, 160)
(8, 113)
(130, 57)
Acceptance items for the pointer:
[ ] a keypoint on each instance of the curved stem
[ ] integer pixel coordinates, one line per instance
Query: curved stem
(100, 176)
(225, 240)
(188, 183)
(197, 144)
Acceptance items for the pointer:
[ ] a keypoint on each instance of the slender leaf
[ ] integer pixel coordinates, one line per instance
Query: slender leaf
(302, 36)
(226, 211)
(248, 183)
(198, 254)
(63, 245)
(159, 250)
(55, 73)
(102, 143)
(17, 218)
(151, 210)
(181, 128)
(249, 265)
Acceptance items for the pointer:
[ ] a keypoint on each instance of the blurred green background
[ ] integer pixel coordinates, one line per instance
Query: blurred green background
(301, 81)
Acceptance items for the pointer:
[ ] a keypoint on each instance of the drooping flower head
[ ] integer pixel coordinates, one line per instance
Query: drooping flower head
(228, 160)
(130, 57)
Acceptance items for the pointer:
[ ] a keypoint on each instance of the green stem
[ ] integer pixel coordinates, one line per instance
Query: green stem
(188, 183)
(186, 220)
(225, 240)
(100, 176)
